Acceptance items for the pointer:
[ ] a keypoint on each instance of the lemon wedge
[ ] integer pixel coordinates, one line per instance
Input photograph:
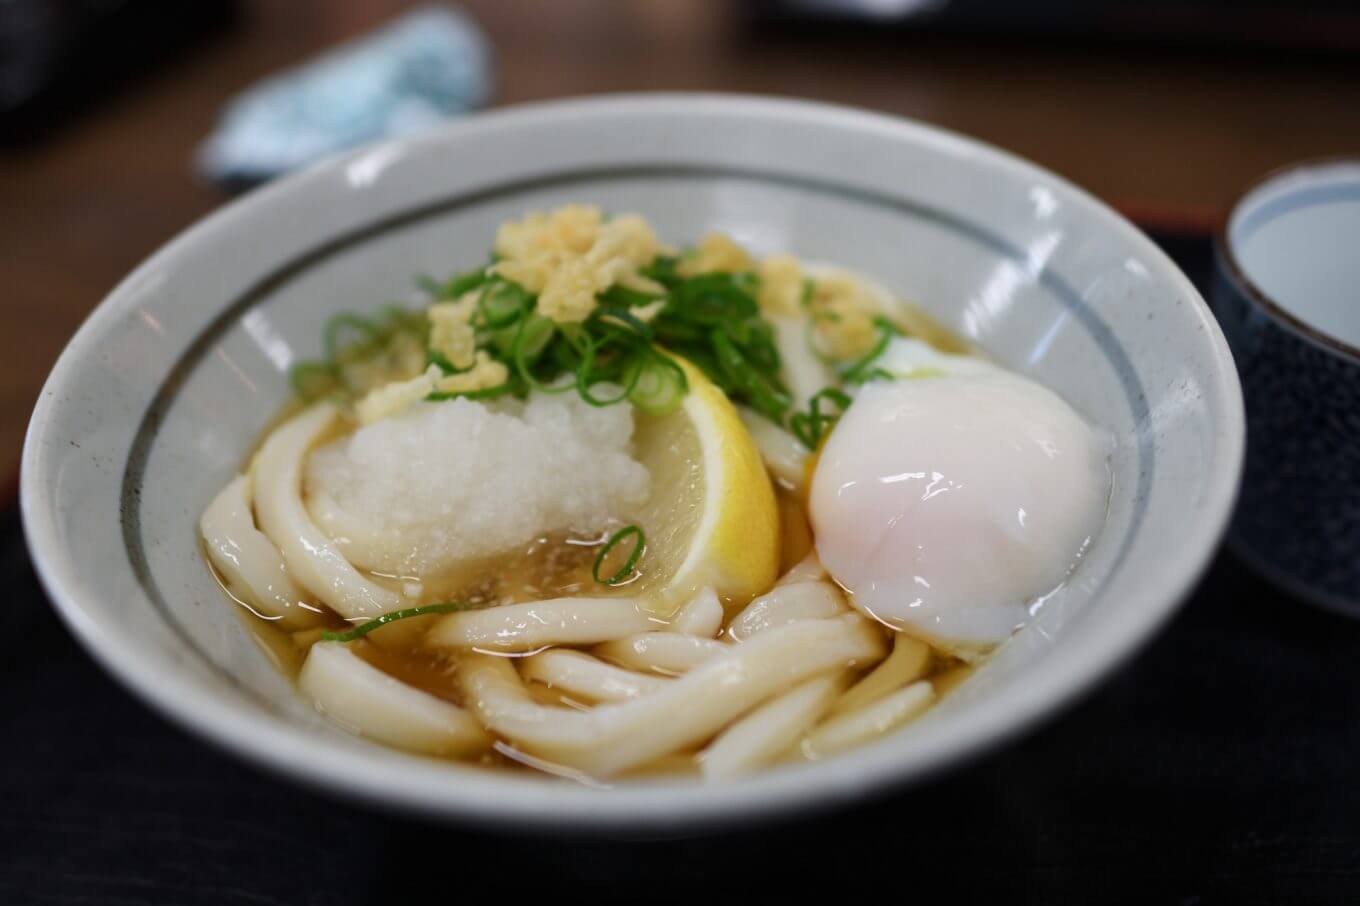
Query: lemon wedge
(711, 517)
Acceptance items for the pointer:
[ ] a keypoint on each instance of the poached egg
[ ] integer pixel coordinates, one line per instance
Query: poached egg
(948, 501)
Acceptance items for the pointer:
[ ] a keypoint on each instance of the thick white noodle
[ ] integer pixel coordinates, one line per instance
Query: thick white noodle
(615, 737)
(701, 616)
(786, 604)
(804, 374)
(784, 455)
(581, 676)
(667, 653)
(313, 559)
(808, 569)
(908, 662)
(847, 731)
(367, 701)
(770, 730)
(556, 621)
(249, 562)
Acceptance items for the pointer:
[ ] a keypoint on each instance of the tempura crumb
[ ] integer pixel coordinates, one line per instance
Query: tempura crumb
(843, 310)
(451, 331)
(485, 374)
(568, 296)
(717, 253)
(395, 397)
(781, 285)
(568, 256)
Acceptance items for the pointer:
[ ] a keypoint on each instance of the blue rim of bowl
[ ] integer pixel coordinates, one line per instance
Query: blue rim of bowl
(1237, 275)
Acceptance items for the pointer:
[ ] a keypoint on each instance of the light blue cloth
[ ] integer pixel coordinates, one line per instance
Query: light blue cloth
(430, 64)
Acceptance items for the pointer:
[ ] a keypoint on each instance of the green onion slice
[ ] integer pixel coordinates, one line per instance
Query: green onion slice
(625, 571)
(532, 337)
(485, 393)
(503, 303)
(587, 376)
(622, 297)
(335, 327)
(363, 629)
(811, 426)
(761, 390)
(429, 285)
(435, 358)
(862, 370)
(659, 387)
(312, 380)
(463, 283)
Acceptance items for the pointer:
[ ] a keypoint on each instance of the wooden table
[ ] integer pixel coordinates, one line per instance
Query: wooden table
(1148, 132)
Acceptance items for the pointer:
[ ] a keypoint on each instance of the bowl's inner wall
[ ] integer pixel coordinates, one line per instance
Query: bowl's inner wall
(1294, 238)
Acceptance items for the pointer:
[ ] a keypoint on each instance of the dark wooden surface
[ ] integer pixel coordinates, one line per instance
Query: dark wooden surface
(1153, 132)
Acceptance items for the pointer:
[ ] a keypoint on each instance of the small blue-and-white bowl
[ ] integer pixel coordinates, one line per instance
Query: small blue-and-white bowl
(1287, 293)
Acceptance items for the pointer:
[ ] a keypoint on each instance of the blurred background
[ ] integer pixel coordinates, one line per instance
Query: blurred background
(1163, 109)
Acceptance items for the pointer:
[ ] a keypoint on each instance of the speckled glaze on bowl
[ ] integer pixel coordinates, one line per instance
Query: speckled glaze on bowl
(163, 390)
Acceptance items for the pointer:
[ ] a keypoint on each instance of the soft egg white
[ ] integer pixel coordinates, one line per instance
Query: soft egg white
(948, 501)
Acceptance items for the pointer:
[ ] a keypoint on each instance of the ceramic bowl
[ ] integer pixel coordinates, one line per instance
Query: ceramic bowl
(1285, 290)
(163, 391)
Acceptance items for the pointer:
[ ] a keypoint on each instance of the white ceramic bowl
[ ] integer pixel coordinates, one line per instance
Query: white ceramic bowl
(161, 393)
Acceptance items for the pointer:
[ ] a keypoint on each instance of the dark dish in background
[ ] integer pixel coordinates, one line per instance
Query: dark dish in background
(1284, 291)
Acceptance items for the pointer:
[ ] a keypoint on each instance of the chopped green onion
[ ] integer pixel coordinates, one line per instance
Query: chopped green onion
(626, 571)
(503, 303)
(672, 332)
(756, 339)
(874, 374)
(712, 320)
(435, 358)
(811, 426)
(862, 370)
(532, 337)
(312, 380)
(332, 333)
(663, 271)
(587, 376)
(622, 297)
(397, 317)
(463, 283)
(660, 384)
(363, 629)
(714, 299)
(622, 319)
(484, 393)
(429, 285)
(761, 390)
